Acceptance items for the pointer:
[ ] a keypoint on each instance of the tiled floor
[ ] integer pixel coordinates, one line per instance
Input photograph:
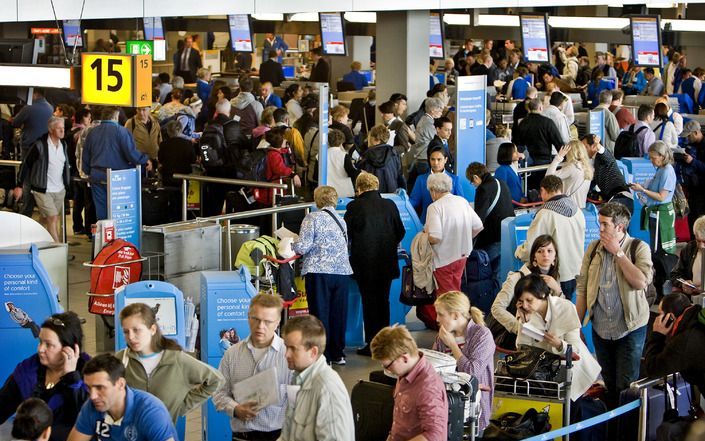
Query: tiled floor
(357, 367)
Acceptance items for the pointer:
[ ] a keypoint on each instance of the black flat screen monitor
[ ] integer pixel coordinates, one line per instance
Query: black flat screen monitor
(646, 40)
(535, 41)
(332, 33)
(153, 28)
(240, 33)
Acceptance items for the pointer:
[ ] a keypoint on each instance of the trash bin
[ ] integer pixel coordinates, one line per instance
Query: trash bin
(239, 234)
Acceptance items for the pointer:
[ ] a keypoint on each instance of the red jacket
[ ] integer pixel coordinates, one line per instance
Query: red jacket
(277, 167)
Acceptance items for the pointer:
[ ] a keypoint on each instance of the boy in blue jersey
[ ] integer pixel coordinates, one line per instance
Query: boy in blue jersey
(116, 412)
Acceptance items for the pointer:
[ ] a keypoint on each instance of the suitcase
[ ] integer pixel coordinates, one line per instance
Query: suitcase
(373, 410)
(456, 415)
(585, 408)
(629, 422)
(381, 377)
(155, 206)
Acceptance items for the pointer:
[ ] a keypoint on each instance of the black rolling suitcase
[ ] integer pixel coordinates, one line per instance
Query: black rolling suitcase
(629, 422)
(373, 410)
(155, 206)
(456, 415)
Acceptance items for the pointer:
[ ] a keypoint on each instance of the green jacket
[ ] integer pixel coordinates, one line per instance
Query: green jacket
(181, 381)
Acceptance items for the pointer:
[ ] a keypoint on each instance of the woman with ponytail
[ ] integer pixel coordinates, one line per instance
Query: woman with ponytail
(32, 421)
(463, 334)
(158, 365)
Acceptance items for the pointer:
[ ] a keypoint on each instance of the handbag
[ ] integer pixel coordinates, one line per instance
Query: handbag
(503, 338)
(412, 295)
(514, 426)
(531, 362)
(680, 202)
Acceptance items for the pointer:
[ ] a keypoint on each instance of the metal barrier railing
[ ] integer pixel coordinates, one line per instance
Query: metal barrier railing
(528, 171)
(214, 180)
(250, 213)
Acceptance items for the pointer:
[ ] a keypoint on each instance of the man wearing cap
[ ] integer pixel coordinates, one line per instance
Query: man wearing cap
(692, 170)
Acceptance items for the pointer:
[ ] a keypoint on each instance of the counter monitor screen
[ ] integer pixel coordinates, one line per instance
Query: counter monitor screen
(240, 32)
(72, 33)
(368, 75)
(534, 38)
(153, 28)
(435, 35)
(332, 33)
(646, 40)
(289, 71)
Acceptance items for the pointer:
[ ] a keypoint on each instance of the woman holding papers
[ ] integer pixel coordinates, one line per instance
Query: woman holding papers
(551, 323)
(158, 365)
(543, 261)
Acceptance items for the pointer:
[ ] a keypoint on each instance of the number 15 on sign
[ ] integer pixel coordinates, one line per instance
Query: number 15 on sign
(118, 80)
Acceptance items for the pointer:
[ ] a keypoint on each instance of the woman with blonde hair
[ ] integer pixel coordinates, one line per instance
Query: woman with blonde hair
(576, 171)
(463, 334)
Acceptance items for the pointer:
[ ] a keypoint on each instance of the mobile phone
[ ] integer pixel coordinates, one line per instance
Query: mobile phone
(669, 320)
(686, 283)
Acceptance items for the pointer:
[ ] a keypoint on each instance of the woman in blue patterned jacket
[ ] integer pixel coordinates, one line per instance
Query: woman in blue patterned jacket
(323, 243)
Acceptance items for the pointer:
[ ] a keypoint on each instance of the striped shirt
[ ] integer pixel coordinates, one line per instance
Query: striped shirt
(608, 312)
(238, 364)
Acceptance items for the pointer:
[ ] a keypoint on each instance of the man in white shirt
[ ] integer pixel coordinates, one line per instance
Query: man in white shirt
(319, 406)
(451, 224)
(261, 351)
(554, 111)
(46, 170)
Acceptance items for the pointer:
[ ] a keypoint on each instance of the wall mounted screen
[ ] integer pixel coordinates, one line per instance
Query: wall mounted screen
(240, 32)
(534, 38)
(646, 40)
(332, 33)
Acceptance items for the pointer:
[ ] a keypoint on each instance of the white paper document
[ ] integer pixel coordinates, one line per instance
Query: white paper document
(262, 388)
(531, 331)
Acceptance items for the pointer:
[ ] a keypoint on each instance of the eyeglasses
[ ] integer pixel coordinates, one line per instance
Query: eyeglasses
(267, 323)
(388, 365)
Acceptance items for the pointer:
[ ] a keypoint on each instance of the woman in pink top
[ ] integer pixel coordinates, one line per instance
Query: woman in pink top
(464, 335)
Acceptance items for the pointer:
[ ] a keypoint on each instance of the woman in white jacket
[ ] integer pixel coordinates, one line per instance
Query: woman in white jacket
(557, 319)
(544, 262)
(576, 172)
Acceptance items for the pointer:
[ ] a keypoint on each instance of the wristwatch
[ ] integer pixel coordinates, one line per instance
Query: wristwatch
(620, 254)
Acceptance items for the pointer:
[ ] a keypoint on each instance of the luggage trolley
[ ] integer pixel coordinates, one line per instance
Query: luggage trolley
(520, 394)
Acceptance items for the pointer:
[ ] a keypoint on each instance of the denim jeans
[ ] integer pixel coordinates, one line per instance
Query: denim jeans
(620, 361)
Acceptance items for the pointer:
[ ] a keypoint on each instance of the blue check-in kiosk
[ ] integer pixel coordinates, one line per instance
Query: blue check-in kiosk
(397, 310)
(28, 298)
(641, 170)
(225, 300)
(164, 298)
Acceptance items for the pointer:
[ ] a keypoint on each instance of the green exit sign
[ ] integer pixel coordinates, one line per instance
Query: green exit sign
(140, 47)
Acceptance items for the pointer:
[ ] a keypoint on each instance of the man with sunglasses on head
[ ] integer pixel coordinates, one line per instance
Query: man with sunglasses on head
(261, 351)
(420, 400)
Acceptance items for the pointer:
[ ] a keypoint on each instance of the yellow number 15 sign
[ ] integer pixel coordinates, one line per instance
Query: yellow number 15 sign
(116, 80)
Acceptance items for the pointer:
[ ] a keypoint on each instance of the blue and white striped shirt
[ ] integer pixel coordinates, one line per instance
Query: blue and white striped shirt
(238, 364)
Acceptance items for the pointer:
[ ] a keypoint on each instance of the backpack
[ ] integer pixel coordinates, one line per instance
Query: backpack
(650, 290)
(212, 147)
(627, 145)
(250, 165)
(478, 282)
(252, 252)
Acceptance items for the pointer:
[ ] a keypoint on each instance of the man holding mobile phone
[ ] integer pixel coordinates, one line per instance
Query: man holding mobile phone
(677, 341)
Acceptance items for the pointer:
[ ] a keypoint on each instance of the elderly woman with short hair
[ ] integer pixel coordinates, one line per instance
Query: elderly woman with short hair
(323, 243)
(451, 224)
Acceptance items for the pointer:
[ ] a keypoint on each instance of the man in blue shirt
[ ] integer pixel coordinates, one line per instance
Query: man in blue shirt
(354, 77)
(116, 412)
(267, 97)
(108, 146)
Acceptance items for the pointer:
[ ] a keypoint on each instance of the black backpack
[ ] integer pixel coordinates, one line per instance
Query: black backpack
(212, 147)
(627, 145)
(251, 165)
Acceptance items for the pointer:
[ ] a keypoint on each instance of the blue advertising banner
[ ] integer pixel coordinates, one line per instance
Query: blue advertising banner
(323, 134)
(225, 302)
(28, 297)
(470, 125)
(125, 207)
(596, 123)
